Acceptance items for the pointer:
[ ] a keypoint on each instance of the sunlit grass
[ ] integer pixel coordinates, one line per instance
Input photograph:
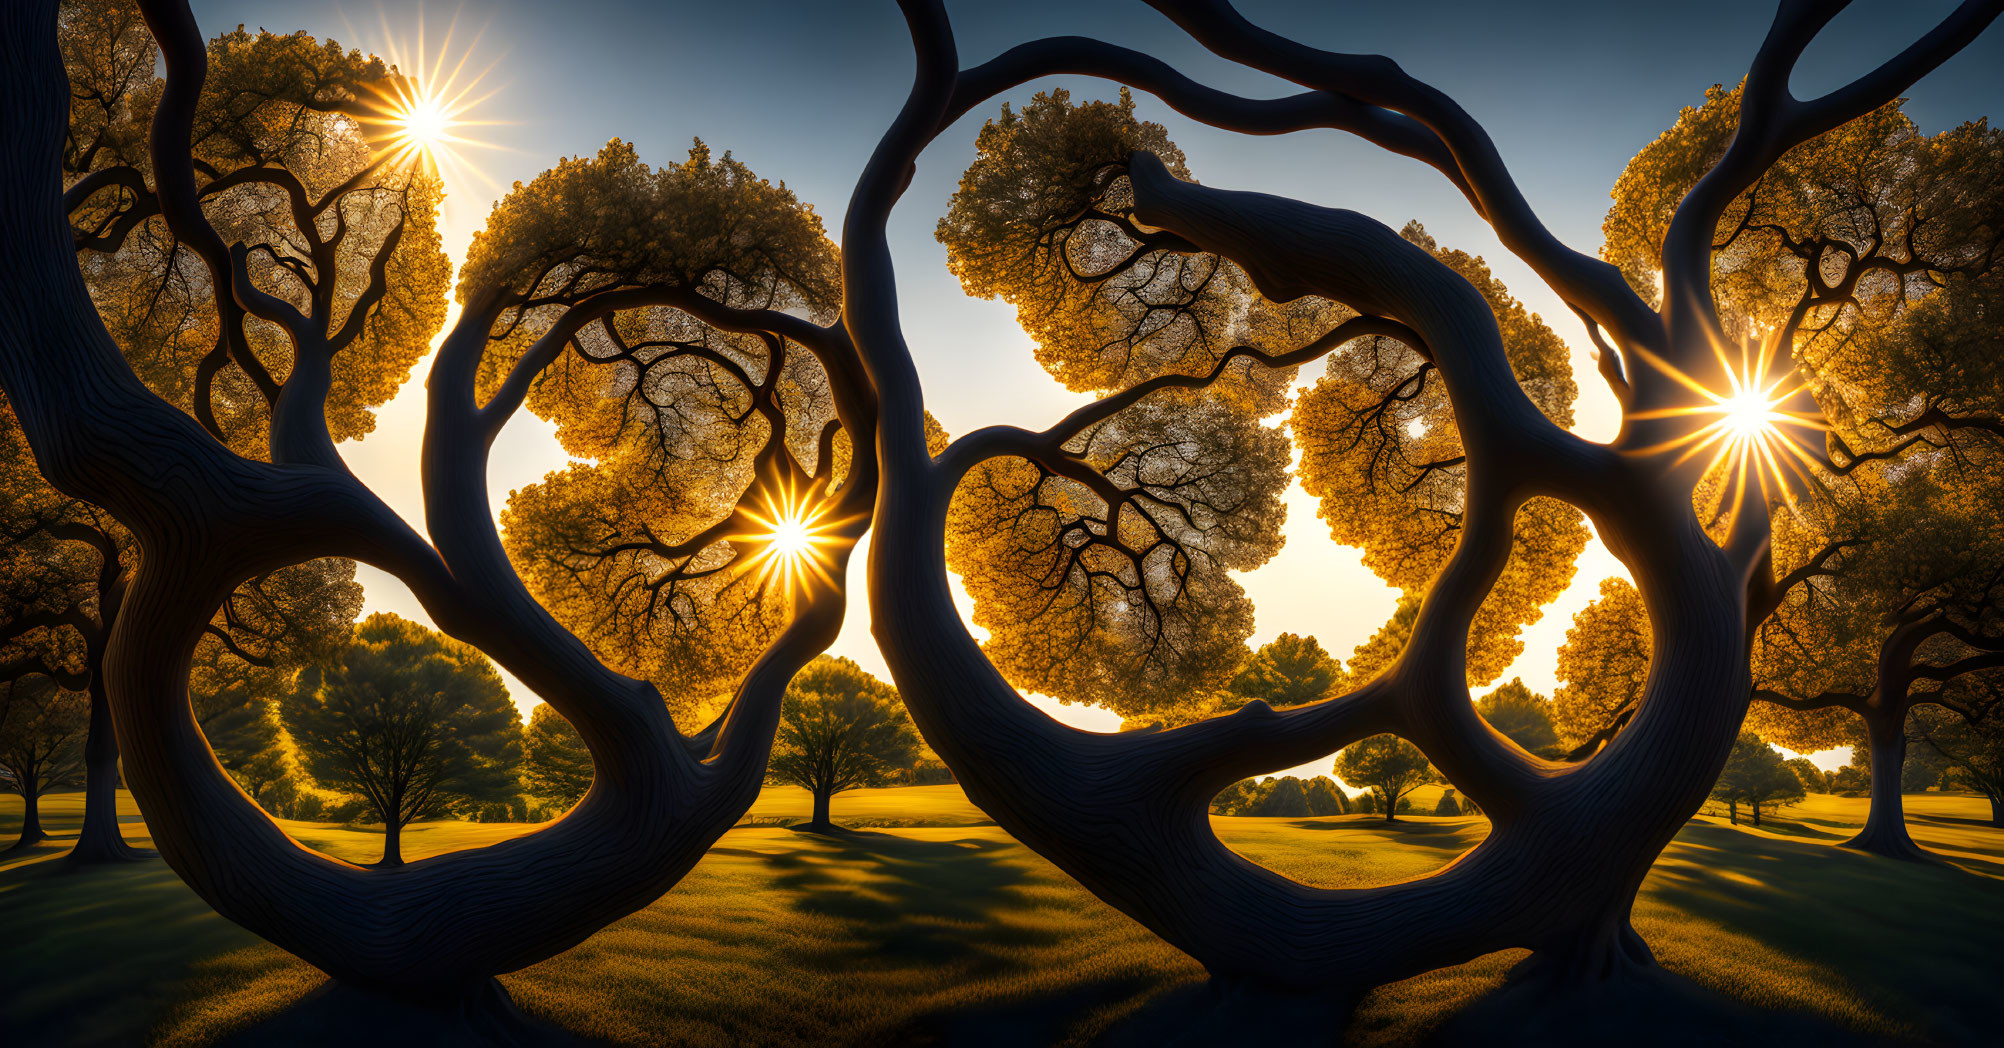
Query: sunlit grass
(936, 931)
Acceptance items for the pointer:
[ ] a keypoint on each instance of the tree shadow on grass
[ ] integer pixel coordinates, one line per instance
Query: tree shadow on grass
(968, 909)
(1917, 940)
(907, 900)
(1441, 833)
(337, 1016)
(115, 933)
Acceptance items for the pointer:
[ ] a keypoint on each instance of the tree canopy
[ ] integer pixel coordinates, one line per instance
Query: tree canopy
(840, 728)
(557, 765)
(1381, 452)
(415, 722)
(1756, 775)
(1390, 767)
(1523, 715)
(1603, 665)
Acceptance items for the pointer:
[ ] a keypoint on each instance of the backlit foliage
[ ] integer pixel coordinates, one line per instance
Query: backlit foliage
(1101, 571)
(1380, 451)
(1107, 583)
(1873, 250)
(1872, 253)
(1043, 220)
(670, 422)
(285, 169)
(1602, 665)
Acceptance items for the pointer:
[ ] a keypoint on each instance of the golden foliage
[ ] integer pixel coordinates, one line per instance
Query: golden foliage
(1380, 452)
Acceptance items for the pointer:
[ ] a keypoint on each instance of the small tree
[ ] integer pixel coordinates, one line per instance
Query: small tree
(1973, 749)
(41, 744)
(1523, 715)
(1390, 766)
(1287, 671)
(559, 766)
(1285, 799)
(1814, 779)
(1756, 774)
(1326, 798)
(1447, 806)
(416, 723)
(242, 728)
(839, 728)
(1237, 799)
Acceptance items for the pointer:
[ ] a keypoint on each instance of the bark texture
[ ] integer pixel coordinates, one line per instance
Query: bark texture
(205, 519)
(1126, 814)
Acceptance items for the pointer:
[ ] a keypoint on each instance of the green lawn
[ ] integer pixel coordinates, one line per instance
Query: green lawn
(941, 929)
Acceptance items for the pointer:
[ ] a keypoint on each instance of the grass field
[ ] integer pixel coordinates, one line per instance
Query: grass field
(939, 928)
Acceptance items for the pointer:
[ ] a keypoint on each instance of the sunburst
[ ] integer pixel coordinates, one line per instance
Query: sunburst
(793, 536)
(1749, 433)
(421, 119)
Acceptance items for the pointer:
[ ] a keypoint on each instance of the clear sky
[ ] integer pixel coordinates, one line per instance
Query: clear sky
(800, 89)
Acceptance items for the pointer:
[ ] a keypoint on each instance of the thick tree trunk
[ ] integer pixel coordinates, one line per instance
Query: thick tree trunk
(1124, 814)
(205, 519)
(1885, 831)
(100, 839)
(1733, 810)
(1756, 814)
(821, 822)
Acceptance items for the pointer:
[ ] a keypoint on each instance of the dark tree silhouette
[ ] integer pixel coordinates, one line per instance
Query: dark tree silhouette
(556, 763)
(1125, 814)
(42, 730)
(208, 509)
(417, 724)
(1754, 775)
(1875, 254)
(839, 728)
(1161, 489)
(1972, 745)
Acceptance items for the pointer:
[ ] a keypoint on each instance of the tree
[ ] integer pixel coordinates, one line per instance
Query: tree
(1972, 749)
(1084, 218)
(1604, 665)
(1326, 798)
(1285, 799)
(1388, 766)
(839, 728)
(1523, 715)
(415, 722)
(1813, 778)
(42, 729)
(557, 765)
(1287, 671)
(1868, 257)
(1447, 805)
(230, 473)
(1137, 534)
(257, 145)
(1755, 774)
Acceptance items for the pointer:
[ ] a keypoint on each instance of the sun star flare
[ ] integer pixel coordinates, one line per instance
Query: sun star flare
(793, 535)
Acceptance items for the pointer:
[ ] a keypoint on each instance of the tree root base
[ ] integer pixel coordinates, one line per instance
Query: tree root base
(1892, 846)
(338, 1014)
(82, 856)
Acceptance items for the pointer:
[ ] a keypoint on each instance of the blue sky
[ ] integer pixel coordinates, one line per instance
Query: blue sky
(800, 89)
